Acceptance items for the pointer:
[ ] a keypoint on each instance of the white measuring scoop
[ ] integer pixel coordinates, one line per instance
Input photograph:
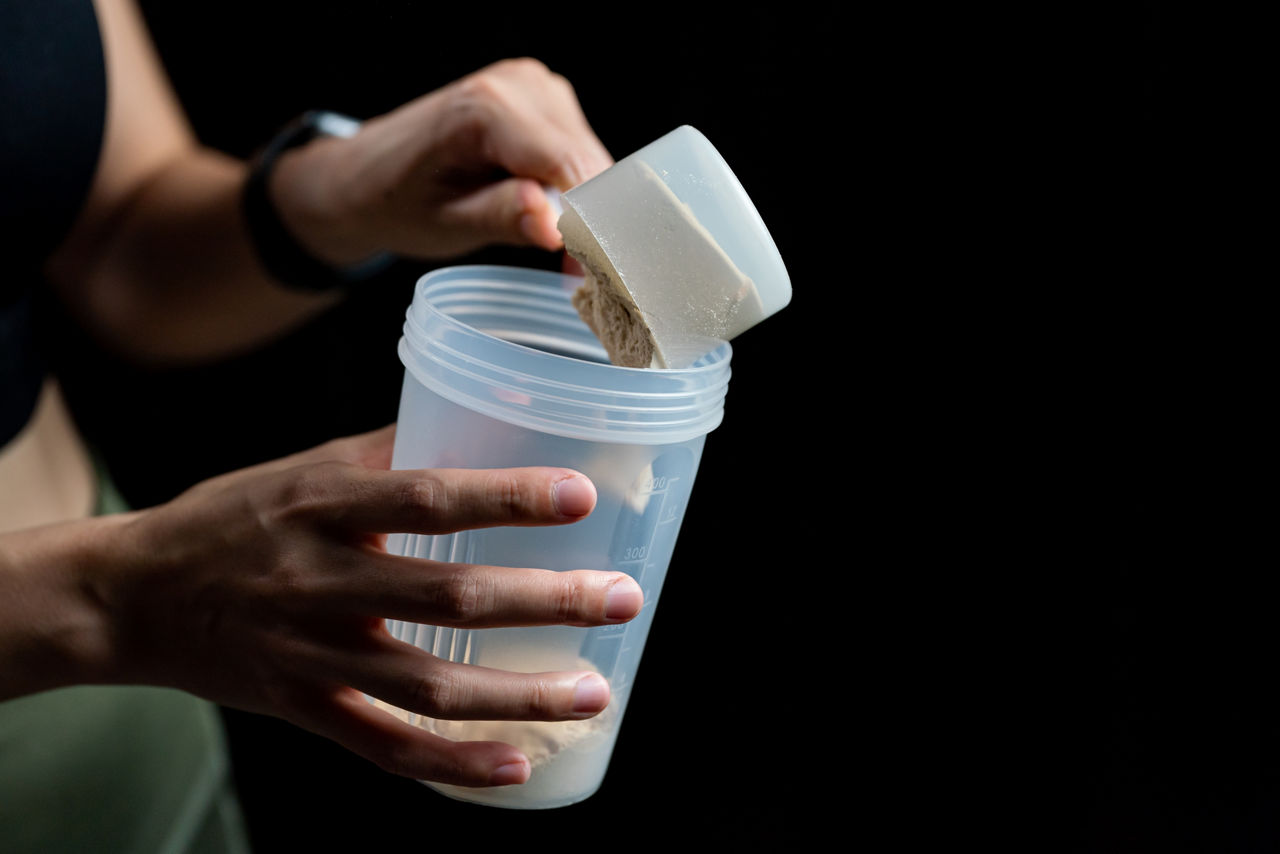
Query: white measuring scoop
(685, 241)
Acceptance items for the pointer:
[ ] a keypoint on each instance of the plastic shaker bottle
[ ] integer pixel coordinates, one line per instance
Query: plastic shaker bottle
(500, 371)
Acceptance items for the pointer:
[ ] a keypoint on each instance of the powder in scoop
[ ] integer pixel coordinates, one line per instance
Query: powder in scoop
(657, 309)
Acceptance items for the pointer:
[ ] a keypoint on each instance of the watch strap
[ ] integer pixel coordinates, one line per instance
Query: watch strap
(290, 263)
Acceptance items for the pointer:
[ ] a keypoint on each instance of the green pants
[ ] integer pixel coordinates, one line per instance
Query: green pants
(118, 769)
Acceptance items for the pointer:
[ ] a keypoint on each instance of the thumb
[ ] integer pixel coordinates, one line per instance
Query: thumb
(514, 211)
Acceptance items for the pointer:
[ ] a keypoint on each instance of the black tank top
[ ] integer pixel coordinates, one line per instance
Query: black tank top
(53, 98)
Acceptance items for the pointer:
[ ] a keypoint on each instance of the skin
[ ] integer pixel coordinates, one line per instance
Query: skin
(158, 264)
(266, 589)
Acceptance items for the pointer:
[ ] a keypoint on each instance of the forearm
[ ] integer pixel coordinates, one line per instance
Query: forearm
(53, 626)
(158, 263)
(172, 276)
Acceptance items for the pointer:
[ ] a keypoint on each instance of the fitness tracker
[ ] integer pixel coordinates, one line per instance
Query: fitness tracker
(280, 253)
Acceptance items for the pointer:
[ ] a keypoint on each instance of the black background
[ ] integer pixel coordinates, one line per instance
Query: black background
(719, 737)
(970, 541)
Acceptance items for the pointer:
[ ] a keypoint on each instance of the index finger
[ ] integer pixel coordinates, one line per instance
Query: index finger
(444, 501)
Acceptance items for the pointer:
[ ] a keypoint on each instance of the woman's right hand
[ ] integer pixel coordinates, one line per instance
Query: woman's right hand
(457, 169)
(267, 589)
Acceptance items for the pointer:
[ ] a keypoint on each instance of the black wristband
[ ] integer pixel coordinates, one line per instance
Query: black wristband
(280, 253)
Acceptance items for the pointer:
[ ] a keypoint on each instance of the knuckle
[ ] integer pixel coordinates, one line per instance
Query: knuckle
(562, 83)
(484, 85)
(425, 494)
(289, 580)
(437, 694)
(568, 597)
(524, 65)
(469, 113)
(500, 81)
(540, 700)
(305, 492)
(509, 495)
(465, 597)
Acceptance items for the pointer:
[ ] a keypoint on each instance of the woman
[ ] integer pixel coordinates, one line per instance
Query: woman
(264, 589)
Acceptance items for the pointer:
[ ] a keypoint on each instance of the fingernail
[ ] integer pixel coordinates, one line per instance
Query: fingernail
(624, 599)
(510, 774)
(590, 695)
(575, 496)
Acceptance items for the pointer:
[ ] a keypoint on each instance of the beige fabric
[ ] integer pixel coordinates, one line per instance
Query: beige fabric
(46, 474)
(121, 769)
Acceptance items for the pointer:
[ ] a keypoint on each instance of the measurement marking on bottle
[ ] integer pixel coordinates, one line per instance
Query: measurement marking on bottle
(657, 484)
(635, 554)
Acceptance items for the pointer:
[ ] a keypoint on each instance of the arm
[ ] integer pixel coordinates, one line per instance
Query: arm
(159, 264)
(266, 590)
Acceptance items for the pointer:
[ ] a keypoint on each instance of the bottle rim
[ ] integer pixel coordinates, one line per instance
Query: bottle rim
(508, 343)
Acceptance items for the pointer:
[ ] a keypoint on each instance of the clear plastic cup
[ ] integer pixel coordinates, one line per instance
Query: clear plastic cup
(500, 371)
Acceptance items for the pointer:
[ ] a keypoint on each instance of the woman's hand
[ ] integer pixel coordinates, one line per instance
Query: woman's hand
(266, 590)
(455, 170)
(159, 266)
